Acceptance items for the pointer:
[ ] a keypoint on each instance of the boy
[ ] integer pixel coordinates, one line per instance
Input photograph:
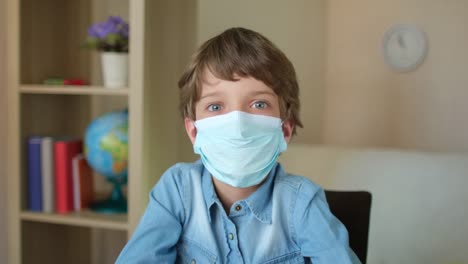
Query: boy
(239, 98)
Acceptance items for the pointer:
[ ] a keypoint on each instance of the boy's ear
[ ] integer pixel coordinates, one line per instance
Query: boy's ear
(288, 127)
(190, 129)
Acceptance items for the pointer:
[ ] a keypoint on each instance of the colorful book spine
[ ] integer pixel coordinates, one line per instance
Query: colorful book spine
(34, 174)
(48, 176)
(64, 151)
(83, 191)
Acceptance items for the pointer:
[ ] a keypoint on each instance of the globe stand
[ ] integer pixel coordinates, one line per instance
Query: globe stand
(116, 204)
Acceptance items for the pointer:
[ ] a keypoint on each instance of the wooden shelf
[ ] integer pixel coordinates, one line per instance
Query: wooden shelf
(85, 219)
(79, 90)
(44, 40)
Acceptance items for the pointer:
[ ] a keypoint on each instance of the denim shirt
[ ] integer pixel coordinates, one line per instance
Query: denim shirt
(286, 220)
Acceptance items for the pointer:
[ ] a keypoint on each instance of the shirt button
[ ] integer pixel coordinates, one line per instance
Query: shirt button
(238, 208)
(193, 261)
(231, 236)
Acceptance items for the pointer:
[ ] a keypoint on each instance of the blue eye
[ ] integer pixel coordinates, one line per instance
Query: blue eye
(214, 107)
(260, 105)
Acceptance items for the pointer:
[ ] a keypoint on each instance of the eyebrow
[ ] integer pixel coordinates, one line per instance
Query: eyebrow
(272, 93)
(256, 93)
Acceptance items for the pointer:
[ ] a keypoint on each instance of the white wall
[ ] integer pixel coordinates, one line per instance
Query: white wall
(419, 208)
(3, 128)
(297, 27)
(369, 105)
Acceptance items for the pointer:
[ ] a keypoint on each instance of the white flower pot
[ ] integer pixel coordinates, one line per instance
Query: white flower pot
(114, 69)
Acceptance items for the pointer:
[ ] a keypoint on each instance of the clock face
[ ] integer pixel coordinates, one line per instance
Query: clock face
(404, 47)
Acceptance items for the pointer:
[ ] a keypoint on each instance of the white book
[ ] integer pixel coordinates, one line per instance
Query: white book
(48, 176)
(76, 182)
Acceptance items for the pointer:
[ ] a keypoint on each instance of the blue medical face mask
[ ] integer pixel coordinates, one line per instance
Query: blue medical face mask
(239, 148)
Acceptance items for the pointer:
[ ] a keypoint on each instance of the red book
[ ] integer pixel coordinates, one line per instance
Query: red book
(64, 151)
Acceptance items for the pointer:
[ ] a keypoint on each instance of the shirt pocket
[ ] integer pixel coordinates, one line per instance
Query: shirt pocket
(290, 258)
(190, 252)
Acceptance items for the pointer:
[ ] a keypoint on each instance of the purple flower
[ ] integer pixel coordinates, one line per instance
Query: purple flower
(110, 35)
(101, 30)
(113, 25)
(94, 31)
(116, 20)
(119, 25)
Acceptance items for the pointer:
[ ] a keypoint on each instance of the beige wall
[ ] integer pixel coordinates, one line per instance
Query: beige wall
(297, 27)
(424, 223)
(369, 105)
(3, 128)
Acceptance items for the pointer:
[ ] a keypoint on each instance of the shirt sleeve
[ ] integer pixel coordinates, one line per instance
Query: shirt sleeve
(157, 234)
(319, 234)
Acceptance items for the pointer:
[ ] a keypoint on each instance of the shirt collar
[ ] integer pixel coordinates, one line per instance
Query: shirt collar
(208, 190)
(259, 202)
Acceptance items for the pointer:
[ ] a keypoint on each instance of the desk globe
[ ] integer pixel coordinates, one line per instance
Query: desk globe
(106, 150)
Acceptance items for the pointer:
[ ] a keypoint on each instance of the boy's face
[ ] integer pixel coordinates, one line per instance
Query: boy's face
(248, 95)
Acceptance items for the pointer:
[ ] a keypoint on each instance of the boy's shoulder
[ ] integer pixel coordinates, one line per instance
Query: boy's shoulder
(188, 173)
(296, 183)
(186, 167)
(182, 171)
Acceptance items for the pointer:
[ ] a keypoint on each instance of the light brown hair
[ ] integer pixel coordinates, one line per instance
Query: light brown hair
(244, 53)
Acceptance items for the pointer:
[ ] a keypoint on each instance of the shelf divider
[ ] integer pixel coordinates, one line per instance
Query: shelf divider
(85, 218)
(68, 89)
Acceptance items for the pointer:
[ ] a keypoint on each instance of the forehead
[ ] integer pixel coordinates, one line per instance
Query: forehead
(208, 79)
(211, 83)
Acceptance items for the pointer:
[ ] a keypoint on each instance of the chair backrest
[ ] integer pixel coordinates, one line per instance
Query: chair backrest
(352, 208)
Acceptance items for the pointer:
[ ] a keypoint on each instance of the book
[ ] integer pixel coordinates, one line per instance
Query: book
(64, 151)
(34, 174)
(83, 191)
(48, 181)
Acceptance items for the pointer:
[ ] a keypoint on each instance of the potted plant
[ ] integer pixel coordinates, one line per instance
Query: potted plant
(111, 39)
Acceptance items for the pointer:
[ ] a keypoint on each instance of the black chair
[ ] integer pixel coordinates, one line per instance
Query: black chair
(352, 208)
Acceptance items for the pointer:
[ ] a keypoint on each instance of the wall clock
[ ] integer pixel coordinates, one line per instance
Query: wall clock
(404, 47)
